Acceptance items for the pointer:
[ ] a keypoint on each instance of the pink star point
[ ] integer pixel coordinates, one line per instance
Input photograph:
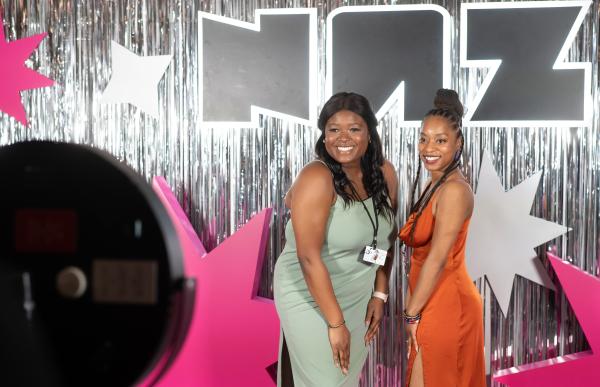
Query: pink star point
(234, 334)
(577, 369)
(15, 77)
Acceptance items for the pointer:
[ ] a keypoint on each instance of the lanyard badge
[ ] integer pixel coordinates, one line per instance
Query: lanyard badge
(371, 253)
(374, 255)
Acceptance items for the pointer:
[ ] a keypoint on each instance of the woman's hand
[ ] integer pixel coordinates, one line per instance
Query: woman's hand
(411, 333)
(339, 338)
(373, 318)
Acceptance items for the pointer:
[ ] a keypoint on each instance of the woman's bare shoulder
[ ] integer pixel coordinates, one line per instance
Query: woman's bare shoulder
(315, 178)
(456, 193)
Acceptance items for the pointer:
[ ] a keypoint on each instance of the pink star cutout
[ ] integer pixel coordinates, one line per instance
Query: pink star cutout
(578, 369)
(15, 76)
(234, 334)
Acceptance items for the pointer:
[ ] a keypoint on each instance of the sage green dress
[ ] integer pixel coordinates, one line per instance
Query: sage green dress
(303, 328)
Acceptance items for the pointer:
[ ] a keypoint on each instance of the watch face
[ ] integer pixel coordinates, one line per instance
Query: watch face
(88, 278)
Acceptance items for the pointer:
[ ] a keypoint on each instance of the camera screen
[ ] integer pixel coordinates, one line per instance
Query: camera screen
(45, 230)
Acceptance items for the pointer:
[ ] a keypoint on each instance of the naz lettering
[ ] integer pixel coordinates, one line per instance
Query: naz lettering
(397, 54)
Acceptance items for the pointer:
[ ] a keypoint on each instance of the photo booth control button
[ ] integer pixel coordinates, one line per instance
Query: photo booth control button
(71, 282)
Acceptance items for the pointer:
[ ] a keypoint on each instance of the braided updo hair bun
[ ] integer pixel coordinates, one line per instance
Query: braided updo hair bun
(447, 100)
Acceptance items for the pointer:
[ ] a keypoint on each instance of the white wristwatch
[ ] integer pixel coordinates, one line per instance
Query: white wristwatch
(381, 296)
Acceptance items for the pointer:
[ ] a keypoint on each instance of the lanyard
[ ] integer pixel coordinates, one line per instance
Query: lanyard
(375, 223)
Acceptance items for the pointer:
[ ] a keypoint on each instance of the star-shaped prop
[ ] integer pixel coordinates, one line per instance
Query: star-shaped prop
(15, 76)
(192, 247)
(503, 235)
(135, 79)
(578, 369)
(234, 334)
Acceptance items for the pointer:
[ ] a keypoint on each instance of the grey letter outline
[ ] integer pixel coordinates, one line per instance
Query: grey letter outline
(493, 65)
(255, 111)
(398, 95)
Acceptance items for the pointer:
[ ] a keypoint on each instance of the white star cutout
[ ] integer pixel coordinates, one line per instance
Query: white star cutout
(502, 234)
(135, 79)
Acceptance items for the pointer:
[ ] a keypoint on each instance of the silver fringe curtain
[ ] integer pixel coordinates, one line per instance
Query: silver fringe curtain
(222, 177)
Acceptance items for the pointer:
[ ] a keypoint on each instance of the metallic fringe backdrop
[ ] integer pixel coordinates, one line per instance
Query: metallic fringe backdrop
(224, 176)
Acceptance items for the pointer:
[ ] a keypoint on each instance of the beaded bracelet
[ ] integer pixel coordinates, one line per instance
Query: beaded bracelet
(411, 319)
(336, 326)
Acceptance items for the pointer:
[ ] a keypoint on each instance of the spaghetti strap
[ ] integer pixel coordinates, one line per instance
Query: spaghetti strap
(325, 164)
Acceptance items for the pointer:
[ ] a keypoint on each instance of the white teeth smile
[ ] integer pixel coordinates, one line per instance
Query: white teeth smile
(345, 148)
(431, 158)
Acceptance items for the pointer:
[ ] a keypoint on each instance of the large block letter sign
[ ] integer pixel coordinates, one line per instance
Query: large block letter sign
(390, 53)
(529, 81)
(247, 68)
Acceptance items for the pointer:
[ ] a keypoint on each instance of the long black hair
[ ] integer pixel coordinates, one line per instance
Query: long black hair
(446, 104)
(370, 163)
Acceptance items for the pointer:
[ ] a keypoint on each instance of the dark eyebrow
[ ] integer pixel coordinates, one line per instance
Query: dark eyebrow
(351, 123)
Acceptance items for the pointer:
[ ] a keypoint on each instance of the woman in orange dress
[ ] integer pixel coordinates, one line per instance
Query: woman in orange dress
(443, 309)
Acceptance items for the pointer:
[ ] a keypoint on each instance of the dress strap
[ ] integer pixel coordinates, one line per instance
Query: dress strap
(325, 164)
(332, 176)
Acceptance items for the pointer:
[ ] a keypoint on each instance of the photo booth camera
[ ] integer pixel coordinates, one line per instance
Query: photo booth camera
(92, 287)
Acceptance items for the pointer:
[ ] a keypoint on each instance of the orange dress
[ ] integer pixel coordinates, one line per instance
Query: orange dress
(450, 333)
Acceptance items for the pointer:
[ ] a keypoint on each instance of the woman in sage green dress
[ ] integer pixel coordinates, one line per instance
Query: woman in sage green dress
(328, 295)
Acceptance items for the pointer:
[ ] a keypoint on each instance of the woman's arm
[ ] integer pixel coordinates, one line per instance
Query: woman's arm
(407, 299)
(454, 206)
(311, 200)
(310, 206)
(383, 272)
(375, 307)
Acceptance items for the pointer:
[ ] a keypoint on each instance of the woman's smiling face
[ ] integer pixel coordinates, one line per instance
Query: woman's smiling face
(438, 144)
(346, 137)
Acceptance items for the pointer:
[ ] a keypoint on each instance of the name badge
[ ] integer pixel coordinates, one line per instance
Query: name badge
(376, 256)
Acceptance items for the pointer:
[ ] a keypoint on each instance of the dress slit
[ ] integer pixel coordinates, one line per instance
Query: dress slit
(287, 378)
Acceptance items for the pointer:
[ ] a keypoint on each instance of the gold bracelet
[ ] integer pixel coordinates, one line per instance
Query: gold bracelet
(336, 326)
